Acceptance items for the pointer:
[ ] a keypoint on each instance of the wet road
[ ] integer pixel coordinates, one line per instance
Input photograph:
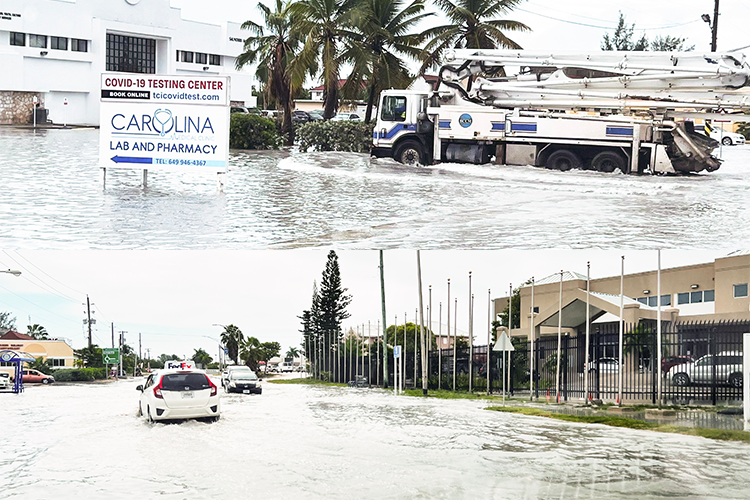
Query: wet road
(322, 442)
(53, 198)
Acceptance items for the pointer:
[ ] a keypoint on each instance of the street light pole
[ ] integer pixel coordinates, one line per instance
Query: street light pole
(13, 272)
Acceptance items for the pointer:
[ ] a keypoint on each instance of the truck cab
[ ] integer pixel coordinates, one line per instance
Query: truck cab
(403, 131)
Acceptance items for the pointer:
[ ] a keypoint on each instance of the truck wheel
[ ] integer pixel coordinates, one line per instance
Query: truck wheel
(408, 153)
(727, 141)
(562, 159)
(608, 161)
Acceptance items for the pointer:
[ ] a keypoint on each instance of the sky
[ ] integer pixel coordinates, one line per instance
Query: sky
(567, 25)
(174, 298)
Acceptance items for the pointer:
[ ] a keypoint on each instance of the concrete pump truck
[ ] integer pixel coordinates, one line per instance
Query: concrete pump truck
(605, 111)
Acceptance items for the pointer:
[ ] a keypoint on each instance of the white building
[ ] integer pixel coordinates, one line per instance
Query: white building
(56, 50)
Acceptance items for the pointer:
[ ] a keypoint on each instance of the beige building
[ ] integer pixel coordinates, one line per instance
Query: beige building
(57, 351)
(714, 291)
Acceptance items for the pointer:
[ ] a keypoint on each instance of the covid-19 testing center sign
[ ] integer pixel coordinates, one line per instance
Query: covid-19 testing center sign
(154, 122)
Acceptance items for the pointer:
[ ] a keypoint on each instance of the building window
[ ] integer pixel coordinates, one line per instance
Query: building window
(696, 297)
(201, 58)
(130, 54)
(708, 296)
(186, 56)
(77, 45)
(38, 41)
(214, 60)
(8, 363)
(666, 300)
(740, 291)
(536, 309)
(643, 300)
(683, 298)
(58, 43)
(18, 39)
(56, 361)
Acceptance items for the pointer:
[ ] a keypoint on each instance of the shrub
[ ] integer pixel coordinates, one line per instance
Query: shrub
(80, 374)
(354, 137)
(252, 132)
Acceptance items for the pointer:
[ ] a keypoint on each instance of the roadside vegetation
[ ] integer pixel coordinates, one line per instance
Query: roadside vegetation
(353, 137)
(719, 434)
(304, 381)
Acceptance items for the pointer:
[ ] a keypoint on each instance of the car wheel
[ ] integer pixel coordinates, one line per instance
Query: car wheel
(562, 159)
(408, 153)
(727, 141)
(608, 161)
(681, 380)
(735, 380)
(45, 381)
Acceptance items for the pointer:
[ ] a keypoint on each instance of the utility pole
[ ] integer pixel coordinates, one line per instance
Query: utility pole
(714, 28)
(88, 321)
(382, 305)
(425, 375)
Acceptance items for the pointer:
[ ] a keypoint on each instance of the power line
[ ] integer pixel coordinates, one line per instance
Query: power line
(37, 305)
(605, 27)
(50, 277)
(49, 287)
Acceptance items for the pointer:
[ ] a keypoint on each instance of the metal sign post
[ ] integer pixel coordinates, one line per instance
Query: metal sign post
(504, 345)
(35, 101)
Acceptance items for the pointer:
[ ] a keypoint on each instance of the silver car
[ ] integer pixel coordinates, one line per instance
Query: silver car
(728, 370)
(5, 380)
(230, 369)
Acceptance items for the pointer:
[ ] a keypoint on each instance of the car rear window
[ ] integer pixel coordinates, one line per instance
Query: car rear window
(185, 382)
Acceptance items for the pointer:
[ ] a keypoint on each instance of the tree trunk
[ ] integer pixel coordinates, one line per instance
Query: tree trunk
(287, 127)
(370, 103)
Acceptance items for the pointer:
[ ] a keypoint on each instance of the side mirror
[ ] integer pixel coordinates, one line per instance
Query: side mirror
(139, 388)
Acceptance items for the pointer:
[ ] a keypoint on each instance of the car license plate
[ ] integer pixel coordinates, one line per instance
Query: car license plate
(246, 391)
(187, 395)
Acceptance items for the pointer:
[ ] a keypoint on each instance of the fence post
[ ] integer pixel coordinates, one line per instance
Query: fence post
(712, 343)
(566, 368)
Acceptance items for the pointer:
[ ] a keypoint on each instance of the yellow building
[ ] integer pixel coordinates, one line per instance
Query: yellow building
(57, 351)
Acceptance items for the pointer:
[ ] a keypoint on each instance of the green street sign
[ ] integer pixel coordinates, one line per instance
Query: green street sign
(111, 356)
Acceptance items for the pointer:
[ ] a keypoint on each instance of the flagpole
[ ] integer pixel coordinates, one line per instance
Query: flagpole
(510, 323)
(430, 335)
(559, 341)
(455, 338)
(658, 325)
(440, 343)
(588, 323)
(471, 343)
(619, 361)
(531, 336)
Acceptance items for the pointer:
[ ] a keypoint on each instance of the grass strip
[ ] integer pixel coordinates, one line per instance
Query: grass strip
(306, 381)
(718, 434)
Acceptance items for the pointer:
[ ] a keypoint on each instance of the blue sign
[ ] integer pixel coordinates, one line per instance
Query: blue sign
(397, 351)
(226, 351)
(465, 120)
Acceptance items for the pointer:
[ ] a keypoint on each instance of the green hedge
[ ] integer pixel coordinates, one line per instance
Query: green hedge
(252, 132)
(355, 137)
(80, 374)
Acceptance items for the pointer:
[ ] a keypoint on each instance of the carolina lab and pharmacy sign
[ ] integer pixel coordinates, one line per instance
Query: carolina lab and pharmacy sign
(164, 122)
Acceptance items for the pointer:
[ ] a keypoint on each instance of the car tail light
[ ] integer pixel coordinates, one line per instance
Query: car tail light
(213, 386)
(157, 391)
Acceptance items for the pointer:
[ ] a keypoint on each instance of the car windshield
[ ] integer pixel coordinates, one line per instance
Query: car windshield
(245, 376)
(185, 382)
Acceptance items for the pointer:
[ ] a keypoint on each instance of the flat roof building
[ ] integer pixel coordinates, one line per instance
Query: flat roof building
(56, 50)
(57, 351)
(714, 291)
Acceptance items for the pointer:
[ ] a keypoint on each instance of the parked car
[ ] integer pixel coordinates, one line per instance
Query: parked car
(670, 361)
(605, 365)
(243, 381)
(229, 369)
(36, 377)
(354, 117)
(315, 115)
(5, 380)
(299, 116)
(728, 370)
(179, 394)
(726, 138)
(243, 109)
(286, 366)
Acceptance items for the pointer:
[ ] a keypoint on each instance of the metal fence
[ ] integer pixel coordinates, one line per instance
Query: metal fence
(701, 364)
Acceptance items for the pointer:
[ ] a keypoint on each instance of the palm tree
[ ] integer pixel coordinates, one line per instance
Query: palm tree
(37, 331)
(472, 26)
(326, 26)
(385, 29)
(273, 52)
(232, 338)
(251, 352)
(292, 352)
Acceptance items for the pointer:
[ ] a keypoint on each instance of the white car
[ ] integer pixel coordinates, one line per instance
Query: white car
(727, 138)
(286, 367)
(179, 394)
(727, 366)
(352, 117)
(230, 369)
(5, 380)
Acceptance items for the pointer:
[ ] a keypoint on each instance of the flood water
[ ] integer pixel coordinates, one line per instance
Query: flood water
(296, 441)
(53, 198)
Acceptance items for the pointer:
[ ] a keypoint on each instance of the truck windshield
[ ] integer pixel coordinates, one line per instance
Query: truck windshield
(394, 109)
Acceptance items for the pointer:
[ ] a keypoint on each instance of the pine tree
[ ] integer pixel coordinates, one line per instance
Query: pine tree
(333, 302)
